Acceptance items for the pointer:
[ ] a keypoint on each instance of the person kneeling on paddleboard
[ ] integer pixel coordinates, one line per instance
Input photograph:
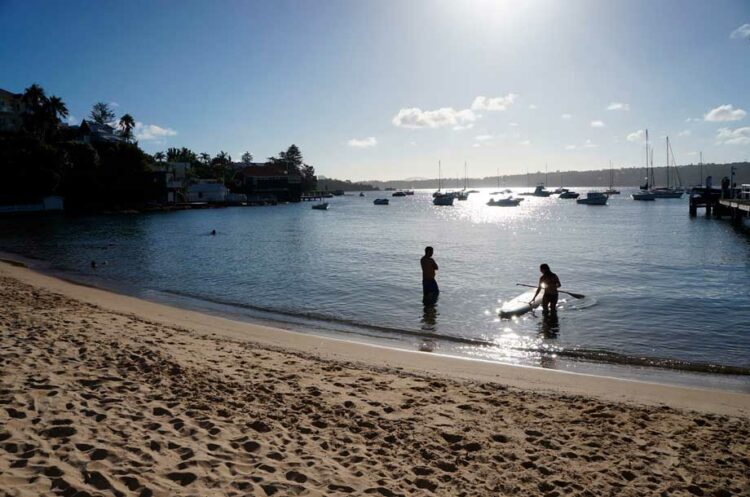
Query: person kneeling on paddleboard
(549, 282)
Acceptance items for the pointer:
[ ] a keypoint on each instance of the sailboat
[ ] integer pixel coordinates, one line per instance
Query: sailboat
(463, 194)
(668, 191)
(440, 198)
(645, 194)
(611, 190)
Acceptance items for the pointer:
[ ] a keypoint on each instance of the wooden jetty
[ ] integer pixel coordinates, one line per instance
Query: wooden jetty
(738, 208)
(720, 204)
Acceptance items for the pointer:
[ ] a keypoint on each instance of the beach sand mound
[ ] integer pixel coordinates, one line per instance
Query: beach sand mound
(99, 403)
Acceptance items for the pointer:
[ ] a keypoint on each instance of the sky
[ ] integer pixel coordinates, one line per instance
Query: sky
(385, 89)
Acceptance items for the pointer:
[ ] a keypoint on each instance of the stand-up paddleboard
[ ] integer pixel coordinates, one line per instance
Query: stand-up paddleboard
(520, 305)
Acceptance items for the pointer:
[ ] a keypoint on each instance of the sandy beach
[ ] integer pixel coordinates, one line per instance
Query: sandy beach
(104, 394)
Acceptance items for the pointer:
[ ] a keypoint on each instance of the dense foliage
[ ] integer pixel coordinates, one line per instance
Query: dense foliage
(46, 157)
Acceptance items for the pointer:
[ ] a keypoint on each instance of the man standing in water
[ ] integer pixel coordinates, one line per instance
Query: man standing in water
(429, 285)
(549, 282)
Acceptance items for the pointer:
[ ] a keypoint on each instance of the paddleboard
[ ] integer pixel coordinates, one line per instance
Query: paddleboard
(520, 305)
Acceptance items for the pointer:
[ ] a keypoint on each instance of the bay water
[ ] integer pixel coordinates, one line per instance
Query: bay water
(667, 297)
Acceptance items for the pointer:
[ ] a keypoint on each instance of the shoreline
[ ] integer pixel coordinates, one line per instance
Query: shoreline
(373, 355)
(666, 371)
(104, 394)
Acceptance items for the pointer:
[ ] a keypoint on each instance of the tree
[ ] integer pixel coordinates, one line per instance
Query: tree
(34, 96)
(291, 159)
(42, 114)
(160, 156)
(127, 123)
(221, 166)
(101, 113)
(247, 158)
(56, 109)
(182, 155)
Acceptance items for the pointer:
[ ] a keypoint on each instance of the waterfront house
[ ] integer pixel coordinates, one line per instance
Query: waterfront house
(261, 181)
(91, 132)
(49, 203)
(11, 111)
(207, 190)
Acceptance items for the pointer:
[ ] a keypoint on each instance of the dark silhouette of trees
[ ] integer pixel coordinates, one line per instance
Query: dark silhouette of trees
(101, 113)
(247, 158)
(127, 123)
(292, 160)
(42, 114)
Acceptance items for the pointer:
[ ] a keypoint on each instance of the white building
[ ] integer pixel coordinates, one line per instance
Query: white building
(207, 190)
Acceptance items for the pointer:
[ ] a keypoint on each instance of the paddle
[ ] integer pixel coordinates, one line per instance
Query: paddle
(574, 295)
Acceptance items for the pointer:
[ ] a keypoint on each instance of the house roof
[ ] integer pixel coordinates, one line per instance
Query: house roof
(9, 93)
(98, 128)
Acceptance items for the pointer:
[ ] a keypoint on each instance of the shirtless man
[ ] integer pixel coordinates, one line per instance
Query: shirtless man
(549, 282)
(429, 285)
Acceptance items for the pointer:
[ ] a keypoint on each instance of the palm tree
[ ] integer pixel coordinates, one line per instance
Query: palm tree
(127, 123)
(56, 108)
(160, 156)
(34, 96)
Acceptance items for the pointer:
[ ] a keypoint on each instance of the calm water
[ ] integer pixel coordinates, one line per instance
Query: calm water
(661, 288)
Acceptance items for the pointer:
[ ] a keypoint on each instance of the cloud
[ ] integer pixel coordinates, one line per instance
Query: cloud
(693, 120)
(526, 143)
(114, 105)
(637, 136)
(72, 120)
(533, 107)
(494, 103)
(463, 126)
(483, 138)
(477, 145)
(566, 117)
(597, 124)
(570, 147)
(684, 132)
(513, 124)
(618, 106)
(368, 142)
(724, 113)
(737, 136)
(589, 144)
(415, 118)
(741, 32)
(151, 132)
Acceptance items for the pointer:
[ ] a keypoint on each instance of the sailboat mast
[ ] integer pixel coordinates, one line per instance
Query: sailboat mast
(667, 162)
(701, 164)
(439, 170)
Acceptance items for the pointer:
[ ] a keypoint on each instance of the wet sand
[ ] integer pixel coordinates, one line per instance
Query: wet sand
(102, 394)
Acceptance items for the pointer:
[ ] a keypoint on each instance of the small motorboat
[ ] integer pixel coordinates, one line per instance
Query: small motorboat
(611, 191)
(444, 199)
(381, 201)
(644, 196)
(505, 202)
(408, 192)
(593, 198)
(462, 195)
(539, 191)
(323, 206)
(569, 194)
(361, 194)
(399, 194)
